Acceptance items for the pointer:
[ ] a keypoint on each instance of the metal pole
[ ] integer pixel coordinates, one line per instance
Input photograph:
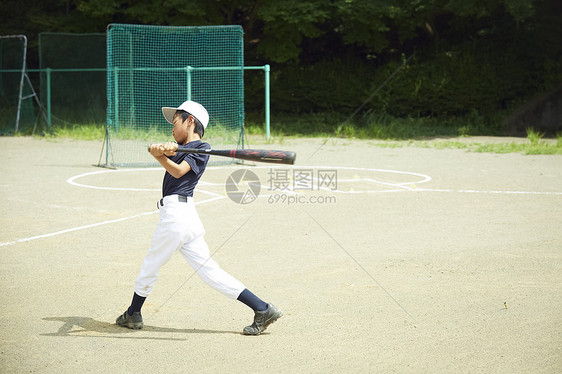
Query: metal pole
(188, 70)
(106, 145)
(131, 115)
(267, 69)
(48, 70)
(21, 79)
(116, 98)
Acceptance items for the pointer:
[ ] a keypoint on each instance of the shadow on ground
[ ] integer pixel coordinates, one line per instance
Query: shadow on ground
(89, 327)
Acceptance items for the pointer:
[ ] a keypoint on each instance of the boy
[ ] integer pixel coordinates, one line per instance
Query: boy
(179, 226)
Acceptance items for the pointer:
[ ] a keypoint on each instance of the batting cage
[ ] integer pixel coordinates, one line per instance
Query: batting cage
(17, 112)
(149, 67)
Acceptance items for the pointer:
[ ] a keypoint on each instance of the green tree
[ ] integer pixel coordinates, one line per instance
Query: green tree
(471, 56)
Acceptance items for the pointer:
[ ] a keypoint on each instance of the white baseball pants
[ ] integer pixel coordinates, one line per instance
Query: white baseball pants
(180, 228)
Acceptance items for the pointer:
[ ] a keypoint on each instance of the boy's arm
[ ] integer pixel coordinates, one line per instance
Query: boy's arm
(160, 153)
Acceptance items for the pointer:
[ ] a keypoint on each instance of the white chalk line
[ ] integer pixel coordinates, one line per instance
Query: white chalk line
(74, 229)
(117, 220)
(489, 192)
(398, 187)
(73, 182)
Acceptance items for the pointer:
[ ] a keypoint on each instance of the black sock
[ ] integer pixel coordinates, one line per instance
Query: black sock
(136, 304)
(252, 301)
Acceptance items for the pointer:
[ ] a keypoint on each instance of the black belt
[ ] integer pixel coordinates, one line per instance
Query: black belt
(181, 199)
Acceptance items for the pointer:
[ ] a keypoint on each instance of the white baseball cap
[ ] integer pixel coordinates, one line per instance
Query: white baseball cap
(195, 109)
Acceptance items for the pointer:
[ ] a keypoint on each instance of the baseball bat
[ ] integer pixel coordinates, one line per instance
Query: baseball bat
(259, 155)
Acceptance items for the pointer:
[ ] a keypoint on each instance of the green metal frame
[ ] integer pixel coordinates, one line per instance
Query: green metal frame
(188, 70)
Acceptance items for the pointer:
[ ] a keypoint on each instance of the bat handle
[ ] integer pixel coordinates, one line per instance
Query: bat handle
(150, 145)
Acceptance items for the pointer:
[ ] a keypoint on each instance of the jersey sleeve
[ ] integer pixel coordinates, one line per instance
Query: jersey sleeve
(198, 161)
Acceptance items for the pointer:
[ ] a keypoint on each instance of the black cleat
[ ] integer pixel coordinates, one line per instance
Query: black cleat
(133, 322)
(262, 320)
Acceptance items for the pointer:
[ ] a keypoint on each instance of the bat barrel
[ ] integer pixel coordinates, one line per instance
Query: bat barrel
(257, 155)
(265, 155)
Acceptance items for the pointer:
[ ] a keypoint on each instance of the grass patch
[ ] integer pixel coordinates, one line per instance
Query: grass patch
(78, 132)
(527, 149)
(141, 134)
(534, 136)
(153, 133)
(372, 125)
(395, 133)
(389, 128)
(451, 144)
(535, 146)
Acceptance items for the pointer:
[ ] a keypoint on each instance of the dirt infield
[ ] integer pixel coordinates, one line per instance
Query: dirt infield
(417, 260)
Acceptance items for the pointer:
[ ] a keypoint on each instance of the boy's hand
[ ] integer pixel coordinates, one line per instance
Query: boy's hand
(170, 149)
(156, 150)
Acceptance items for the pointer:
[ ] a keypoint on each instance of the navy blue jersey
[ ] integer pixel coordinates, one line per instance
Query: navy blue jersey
(186, 184)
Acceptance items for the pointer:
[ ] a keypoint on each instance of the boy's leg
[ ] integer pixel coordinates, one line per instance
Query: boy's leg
(136, 304)
(177, 225)
(252, 301)
(197, 254)
(167, 238)
(165, 241)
